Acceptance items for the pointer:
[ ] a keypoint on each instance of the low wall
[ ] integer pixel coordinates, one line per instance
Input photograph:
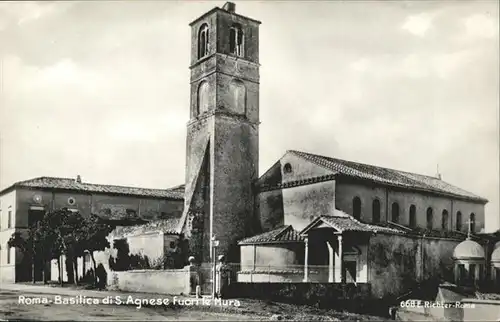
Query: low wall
(481, 310)
(326, 295)
(170, 281)
(270, 277)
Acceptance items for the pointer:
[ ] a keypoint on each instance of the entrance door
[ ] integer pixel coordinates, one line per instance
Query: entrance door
(350, 271)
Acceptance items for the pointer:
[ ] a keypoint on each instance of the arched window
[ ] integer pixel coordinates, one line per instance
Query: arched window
(287, 168)
(472, 220)
(236, 40)
(429, 218)
(413, 216)
(203, 102)
(395, 213)
(444, 220)
(356, 207)
(376, 211)
(238, 92)
(458, 223)
(203, 41)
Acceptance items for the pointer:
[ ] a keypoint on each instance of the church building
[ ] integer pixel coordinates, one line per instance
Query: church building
(309, 218)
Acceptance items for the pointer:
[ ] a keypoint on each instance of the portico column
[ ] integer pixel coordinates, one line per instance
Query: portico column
(331, 263)
(341, 257)
(306, 258)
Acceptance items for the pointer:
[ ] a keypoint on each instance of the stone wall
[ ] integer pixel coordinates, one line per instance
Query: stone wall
(398, 263)
(170, 281)
(151, 246)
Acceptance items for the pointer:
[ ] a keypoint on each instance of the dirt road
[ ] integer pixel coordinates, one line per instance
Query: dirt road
(16, 305)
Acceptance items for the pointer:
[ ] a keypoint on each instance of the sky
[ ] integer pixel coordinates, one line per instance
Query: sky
(101, 89)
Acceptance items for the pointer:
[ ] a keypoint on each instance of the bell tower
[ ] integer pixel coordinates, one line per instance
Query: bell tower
(222, 133)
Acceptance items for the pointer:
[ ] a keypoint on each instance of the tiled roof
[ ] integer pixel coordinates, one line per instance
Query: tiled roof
(388, 176)
(344, 222)
(417, 231)
(71, 184)
(167, 226)
(282, 234)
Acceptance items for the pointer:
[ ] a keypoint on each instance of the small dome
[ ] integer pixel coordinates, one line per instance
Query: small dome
(497, 245)
(468, 249)
(495, 256)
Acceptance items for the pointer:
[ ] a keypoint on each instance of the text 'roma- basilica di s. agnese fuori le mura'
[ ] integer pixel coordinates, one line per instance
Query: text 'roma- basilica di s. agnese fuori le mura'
(361, 223)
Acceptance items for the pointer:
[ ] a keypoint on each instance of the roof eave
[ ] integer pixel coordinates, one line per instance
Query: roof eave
(20, 186)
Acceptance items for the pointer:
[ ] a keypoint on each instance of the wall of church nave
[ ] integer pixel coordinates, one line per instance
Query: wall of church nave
(347, 191)
(296, 206)
(273, 257)
(392, 264)
(302, 204)
(466, 209)
(270, 209)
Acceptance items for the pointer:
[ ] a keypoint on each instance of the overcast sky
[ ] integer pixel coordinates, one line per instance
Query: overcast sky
(101, 89)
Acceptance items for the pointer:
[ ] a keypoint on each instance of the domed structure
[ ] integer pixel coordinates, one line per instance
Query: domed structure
(469, 249)
(495, 265)
(470, 260)
(495, 256)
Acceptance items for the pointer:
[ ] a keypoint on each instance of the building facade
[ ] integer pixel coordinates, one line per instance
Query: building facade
(25, 202)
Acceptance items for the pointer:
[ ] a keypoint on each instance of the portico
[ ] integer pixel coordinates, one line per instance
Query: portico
(335, 250)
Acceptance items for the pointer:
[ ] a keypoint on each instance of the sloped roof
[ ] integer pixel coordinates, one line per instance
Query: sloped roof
(167, 226)
(387, 176)
(283, 234)
(343, 222)
(71, 184)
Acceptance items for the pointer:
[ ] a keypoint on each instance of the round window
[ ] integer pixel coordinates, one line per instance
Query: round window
(71, 201)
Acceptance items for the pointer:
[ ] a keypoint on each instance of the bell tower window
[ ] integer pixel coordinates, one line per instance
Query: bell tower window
(203, 41)
(236, 40)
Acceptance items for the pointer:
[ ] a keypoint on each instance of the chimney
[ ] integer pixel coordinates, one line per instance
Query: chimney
(78, 179)
(229, 7)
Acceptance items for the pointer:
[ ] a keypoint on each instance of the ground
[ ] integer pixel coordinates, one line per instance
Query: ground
(249, 310)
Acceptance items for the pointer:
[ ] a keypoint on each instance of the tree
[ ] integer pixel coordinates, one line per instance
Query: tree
(63, 232)
(94, 238)
(26, 243)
